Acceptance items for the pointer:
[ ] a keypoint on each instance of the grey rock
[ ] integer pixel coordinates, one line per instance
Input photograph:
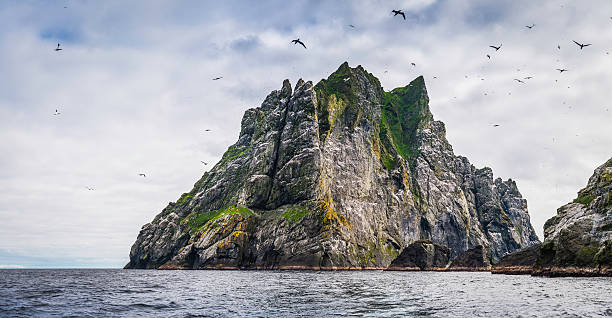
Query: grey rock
(578, 240)
(340, 174)
(519, 262)
(422, 255)
(474, 258)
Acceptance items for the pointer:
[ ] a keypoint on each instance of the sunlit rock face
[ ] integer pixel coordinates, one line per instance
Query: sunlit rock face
(340, 174)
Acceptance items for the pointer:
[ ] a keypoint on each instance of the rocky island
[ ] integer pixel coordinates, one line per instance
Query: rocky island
(577, 241)
(338, 175)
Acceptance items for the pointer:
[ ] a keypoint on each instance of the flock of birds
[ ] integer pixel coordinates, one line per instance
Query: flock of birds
(395, 12)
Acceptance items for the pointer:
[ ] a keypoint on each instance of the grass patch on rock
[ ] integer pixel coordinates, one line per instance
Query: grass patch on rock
(585, 199)
(195, 221)
(295, 214)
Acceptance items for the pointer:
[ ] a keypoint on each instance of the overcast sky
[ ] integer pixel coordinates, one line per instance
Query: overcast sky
(134, 87)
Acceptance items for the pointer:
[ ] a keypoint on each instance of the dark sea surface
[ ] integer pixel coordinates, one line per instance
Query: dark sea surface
(151, 293)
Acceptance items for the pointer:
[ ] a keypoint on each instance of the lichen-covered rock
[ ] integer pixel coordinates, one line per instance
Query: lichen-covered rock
(578, 240)
(474, 259)
(520, 262)
(422, 255)
(340, 174)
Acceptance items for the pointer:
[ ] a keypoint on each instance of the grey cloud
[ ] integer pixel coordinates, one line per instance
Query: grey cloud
(246, 44)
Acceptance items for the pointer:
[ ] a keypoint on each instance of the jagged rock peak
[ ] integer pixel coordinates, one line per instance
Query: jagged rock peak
(340, 174)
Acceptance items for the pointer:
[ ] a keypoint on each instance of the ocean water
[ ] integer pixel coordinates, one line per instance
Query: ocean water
(151, 293)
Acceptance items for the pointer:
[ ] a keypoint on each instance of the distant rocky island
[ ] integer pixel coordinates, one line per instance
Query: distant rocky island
(577, 241)
(345, 175)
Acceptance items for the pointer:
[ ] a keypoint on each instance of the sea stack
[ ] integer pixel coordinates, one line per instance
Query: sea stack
(578, 240)
(337, 175)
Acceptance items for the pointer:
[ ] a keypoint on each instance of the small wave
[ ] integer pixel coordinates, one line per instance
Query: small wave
(155, 306)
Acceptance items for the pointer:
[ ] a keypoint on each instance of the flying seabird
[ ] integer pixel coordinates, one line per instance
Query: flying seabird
(90, 189)
(496, 47)
(400, 12)
(217, 78)
(581, 45)
(205, 163)
(412, 64)
(206, 129)
(489, 56)
(495, 125)
(141, 175)
(561, 70)
(297, 41)
(529, 77)
(58, 47)
(56, 113)
(518, 80)
(530, 26)
(352, 26)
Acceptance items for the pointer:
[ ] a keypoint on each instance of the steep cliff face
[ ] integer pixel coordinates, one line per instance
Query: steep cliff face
(335, 175)
(578, 240)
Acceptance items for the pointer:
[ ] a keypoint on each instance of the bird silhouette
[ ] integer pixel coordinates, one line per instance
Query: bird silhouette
(518, 80)
(412, 64)
(90, 189)
(581, 45)
(297, 41)
(496, 47)
(489, 56)
(206, 129)
(142, 175)
(217, 78)
(495, 125)
(559, 47)
(58, 47)
(56, 113)
(205, 163)
(400, 12)
(529, 77)
(352, 26)
(530, 26)
(561, 70)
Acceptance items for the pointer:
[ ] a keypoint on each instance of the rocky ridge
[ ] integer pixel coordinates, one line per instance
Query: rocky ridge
(337, 175)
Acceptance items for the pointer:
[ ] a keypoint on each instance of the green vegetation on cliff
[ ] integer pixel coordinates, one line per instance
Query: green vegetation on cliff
(294, 214)
(197, 220)
(404, 111)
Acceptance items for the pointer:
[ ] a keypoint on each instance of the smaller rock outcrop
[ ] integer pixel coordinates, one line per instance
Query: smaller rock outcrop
(578, 240)
(421, 255)
(518, 263)
(474, 259)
